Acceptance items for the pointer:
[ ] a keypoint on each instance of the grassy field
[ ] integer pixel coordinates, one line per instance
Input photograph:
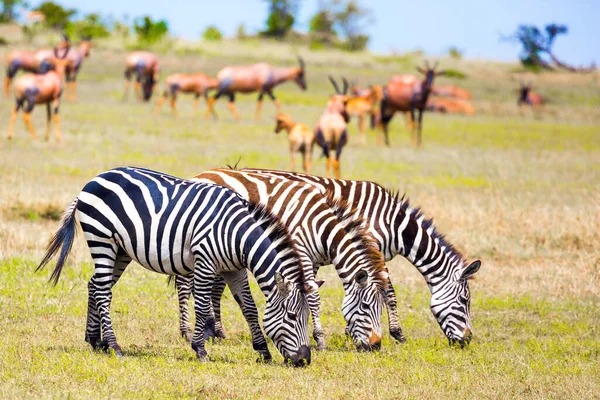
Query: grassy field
(519, 192)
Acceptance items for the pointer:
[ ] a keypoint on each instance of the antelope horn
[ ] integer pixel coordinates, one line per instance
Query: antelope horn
(335, 86)
(65, 37)
(301, 62)
(345, 91)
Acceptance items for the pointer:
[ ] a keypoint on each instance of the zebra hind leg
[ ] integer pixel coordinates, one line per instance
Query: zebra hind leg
(238, 284)
(214, 327)
(184, 290)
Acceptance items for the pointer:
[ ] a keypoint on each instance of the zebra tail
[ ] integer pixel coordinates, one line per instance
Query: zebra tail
(62, 240)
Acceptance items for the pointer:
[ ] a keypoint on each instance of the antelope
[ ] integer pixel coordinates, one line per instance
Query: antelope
(451, 106)
(198, 84)
(261, 78)
(144, 65)
(363, 103)
(451, 91)
(331, 132)
(41, 89)
(300, 137)
(526, 96)
(406, 93)
(76, 55)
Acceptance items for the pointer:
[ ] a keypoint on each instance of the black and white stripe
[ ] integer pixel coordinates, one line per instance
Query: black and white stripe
(403, 230)
(178, 227)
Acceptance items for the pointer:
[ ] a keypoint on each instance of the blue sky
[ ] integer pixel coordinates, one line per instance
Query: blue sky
(474, 26)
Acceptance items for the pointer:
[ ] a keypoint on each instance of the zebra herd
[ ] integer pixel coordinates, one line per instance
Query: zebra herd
(208, 230)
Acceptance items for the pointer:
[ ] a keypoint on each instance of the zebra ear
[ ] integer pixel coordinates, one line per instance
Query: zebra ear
(361, 278)
(470, 270)
(282, 284)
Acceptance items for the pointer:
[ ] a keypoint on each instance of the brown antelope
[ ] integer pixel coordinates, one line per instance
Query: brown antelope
(144, 65)
(261, 78)
(526, 96)
(76, 55)
(300, 137)
(451, 91)
(331, 132)
(451, 106)
(41, 89)
(362, 103)
(198, 84)
(406, 93)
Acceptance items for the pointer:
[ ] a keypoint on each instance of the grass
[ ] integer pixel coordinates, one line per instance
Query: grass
(519, 192)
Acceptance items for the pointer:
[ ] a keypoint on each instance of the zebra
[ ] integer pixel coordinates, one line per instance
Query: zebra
(178, 227)
(321, 237)
(403, 230)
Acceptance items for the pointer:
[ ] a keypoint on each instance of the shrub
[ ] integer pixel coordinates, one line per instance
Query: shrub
(454, 73)
(455, 52)
(150, 32)
(212, 33)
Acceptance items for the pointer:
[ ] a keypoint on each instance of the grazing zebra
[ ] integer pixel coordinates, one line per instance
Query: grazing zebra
(321, 238)
(402, 230)
(179, 227)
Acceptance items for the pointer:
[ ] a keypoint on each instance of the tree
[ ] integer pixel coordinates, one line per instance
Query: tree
(149, 31)
(90, 27)
(350, 20)
(281, 17)
(8, 10)
(537, 44)
(57, 17)
(212, 33)
(321, 26)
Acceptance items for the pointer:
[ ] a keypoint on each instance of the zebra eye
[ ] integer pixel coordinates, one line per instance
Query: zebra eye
(291, 316)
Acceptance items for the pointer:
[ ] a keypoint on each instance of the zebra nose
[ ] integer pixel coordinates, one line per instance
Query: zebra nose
(302, 358)
(467, 334)
(375, 340)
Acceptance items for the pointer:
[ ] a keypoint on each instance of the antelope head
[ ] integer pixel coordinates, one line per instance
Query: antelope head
(337, 102)
(429, 73)
(524, 90)
(85, 45)
(61, 62)
(300, 74)
(283, 121)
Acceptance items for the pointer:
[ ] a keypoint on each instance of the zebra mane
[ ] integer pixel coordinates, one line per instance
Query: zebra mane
(357, 227)
(427, 224)
(279, 232)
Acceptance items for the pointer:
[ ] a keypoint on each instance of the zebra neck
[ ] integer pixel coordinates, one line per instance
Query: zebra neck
(418, 241)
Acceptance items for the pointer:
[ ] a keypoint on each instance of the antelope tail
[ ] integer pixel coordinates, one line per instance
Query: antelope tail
(62, 240)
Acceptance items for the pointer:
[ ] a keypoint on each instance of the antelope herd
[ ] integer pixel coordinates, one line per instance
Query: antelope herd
(54, 71)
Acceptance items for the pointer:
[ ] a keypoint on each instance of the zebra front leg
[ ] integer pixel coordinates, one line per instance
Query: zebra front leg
(204, 276)
(238, 284)
(217, 325)
(392, 309)
(183, 284)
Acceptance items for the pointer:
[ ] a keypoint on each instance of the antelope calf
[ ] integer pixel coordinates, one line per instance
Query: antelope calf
(300, 137)
(451, 91)
(76, 55)
(451, 106)
(406, 93)
(261, 78)
(144, 65)
(362, 103)
(41, 89)
(331, 132)
(198, 84)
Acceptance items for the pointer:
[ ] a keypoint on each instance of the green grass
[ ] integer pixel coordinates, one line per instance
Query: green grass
(518, 190)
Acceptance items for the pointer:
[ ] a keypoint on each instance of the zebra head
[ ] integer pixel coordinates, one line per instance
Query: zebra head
(362, 307)
(286, 320)
(451, 306)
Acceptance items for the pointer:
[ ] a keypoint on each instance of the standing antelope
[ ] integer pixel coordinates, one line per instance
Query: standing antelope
(526, 96)
(41, 89)
(145, 66)
(406, 93)
(363, 103)
(451, 91)
(261, 78)
(451, 106)
(198, 84)
(301, 139)
(76, 55)
(331, 132)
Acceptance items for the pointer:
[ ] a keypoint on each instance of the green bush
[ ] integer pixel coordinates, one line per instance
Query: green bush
(454, 73)
(455, 52)
(150, 32)
(241, 32)
(91, 27)
(57, 17)
(212, 33)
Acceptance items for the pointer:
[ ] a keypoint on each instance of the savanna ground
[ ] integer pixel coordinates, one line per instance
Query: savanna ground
(518, 192)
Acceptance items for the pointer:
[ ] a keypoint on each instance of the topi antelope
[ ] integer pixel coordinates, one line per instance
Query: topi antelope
(451, 106)
(41, 89)
(526, 96)
(331, 132)
(144, 65)
(451, 91)
(362, 103)
(301, 139)
(198, 84)
(261, 78)
(406, 93)
(76, 55)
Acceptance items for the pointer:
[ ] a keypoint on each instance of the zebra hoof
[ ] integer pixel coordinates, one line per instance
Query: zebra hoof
(94, 341)
(398, 335)
(264, 358)
(220, 334)
(209, 330)
(187, 335)
(320, 344)
(202, 355)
